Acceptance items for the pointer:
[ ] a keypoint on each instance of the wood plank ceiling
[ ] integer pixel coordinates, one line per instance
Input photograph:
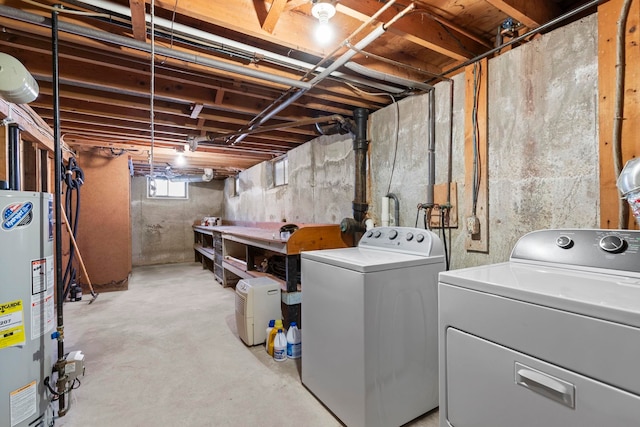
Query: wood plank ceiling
(224, 67)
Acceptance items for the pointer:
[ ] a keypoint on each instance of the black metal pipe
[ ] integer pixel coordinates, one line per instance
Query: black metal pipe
(14, 157)
(360, 147)
(57, 197)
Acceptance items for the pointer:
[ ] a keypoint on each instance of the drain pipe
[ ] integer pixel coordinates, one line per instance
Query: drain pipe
(14, 156)
(360, 147)
(396, 209)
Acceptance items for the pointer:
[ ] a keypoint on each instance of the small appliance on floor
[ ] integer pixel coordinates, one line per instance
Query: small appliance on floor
(370, 317)
(257, 302)
(549, 338)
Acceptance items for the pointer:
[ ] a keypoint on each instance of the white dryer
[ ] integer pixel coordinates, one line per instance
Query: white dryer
(550, 338)
(370, 320)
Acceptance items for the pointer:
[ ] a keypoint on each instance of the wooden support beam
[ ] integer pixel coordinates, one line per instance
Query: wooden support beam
(276, 9)
(476, 155)
(532, 14)
(608, 15)
(425, 32)
(138, 19)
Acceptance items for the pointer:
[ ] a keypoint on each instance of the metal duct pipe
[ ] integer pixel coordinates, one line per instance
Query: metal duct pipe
(360, 147)
(396, 209)
(431, 159)
(104, 36)
(14, 156)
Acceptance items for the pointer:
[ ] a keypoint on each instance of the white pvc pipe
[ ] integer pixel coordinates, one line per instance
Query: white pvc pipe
(385, 211)
(194, 32)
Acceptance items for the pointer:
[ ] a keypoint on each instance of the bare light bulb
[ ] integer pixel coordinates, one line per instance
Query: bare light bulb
(181, 160)
(323, 12)
(324, 34)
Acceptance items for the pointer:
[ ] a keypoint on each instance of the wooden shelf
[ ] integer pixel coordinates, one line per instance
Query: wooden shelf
(207, 252)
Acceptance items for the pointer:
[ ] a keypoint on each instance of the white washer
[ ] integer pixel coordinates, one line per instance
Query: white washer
(550, 338)
(370, 326)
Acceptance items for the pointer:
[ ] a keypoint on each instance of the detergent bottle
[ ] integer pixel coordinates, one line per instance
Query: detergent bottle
(272, 323)
(272, 335)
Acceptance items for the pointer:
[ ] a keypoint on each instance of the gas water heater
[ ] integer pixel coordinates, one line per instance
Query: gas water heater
(27, 279)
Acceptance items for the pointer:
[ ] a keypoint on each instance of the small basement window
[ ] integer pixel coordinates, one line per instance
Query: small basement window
(281, 171)
(163, 188)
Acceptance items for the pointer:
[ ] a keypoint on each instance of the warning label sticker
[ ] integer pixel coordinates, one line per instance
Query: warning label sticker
(11, 324)
(23, 403)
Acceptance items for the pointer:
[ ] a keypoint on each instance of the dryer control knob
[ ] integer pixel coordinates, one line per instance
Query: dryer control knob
(420, 238)
(393, 234)
(564, 242)
(612, 244)
(409, 237)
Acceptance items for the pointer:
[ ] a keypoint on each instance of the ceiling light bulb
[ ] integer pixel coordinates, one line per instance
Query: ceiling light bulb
(323, 11)
(181, 160)
(324, 33)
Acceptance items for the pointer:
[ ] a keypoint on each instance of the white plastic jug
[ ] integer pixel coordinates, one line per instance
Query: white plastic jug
(294, 342)
(280, 347)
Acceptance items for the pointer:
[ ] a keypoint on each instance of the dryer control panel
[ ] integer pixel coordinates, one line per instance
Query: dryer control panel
(404, 239)
(592, 248)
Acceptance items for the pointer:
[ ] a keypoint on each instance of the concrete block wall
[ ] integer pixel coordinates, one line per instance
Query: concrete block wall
(161, 229)
(320, 188)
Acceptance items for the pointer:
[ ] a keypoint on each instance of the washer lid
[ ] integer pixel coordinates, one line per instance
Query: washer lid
(607, 297)
(366, 260)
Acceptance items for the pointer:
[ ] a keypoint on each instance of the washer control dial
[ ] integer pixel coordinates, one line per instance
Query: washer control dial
(393, 234)
(409, 237)
(564, 242)
(420, 238)
(612, 244)
(369, 233)
(376, 234)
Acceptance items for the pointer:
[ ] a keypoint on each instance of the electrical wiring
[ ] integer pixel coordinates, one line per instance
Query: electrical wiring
(477, 165)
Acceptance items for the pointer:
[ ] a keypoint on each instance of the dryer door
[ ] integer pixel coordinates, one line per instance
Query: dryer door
(489, 385)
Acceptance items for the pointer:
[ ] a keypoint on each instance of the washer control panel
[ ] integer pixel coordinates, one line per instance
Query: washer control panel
(404, 239)
(594, 248)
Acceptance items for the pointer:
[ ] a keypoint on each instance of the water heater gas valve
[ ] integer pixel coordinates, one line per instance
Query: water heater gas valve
(74, 365)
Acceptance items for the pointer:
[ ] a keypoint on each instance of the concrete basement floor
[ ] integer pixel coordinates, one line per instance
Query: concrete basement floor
(166, 353)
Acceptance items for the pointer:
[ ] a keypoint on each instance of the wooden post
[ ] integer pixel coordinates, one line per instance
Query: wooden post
(608, 15)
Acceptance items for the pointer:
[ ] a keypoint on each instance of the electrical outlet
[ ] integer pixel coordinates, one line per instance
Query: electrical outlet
(473, 225)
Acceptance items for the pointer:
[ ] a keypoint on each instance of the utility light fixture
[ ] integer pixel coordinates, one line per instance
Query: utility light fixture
(323, 10)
